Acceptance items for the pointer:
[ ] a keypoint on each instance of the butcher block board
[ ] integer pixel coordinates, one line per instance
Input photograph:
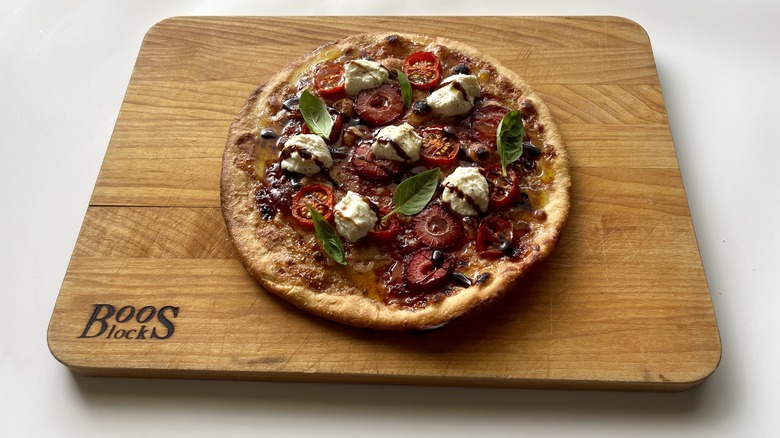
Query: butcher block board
(622, 304)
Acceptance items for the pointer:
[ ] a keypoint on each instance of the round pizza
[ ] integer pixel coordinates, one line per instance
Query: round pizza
(394, 181)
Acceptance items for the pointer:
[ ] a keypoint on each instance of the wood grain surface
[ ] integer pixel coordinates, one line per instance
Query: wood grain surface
(622, 304)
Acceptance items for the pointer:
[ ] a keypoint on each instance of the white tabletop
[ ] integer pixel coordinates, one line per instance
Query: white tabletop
(64, 67)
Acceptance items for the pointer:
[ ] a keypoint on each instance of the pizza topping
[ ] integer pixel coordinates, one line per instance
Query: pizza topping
(461, 69)
(326, 237)
(503, 188)
(485, 122)
(329, 79)
(306, 154)
(509, 139)
(466, 191)
(380, 106)
(268, 133)
(406, 88)
(414, 193)
(423, 70)
(315, 196)
(386, 229)
(421, 272)
(455, 96)
(436, 227)
(368, 166)
(335, 131)
(355, 216)
(315, 115)
(363, 74)
(440, 146)
(397, 143)
(495, 237)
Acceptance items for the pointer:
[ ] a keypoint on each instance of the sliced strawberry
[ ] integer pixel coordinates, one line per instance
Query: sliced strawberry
(427, 269)
(437, 227)
(367, 165)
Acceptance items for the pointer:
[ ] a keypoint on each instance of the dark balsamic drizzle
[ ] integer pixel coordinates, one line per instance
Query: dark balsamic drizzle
(268, 133)
(461, 277)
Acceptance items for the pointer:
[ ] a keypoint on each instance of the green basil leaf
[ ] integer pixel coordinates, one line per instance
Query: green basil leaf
(315, 114)
(509, 139)
(414, 193)
(329, 240)
(406, 88)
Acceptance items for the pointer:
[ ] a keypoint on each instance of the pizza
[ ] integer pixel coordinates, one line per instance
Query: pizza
(394, 182)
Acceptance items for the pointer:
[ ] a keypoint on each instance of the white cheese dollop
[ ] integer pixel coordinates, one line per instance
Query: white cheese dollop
(465, 189)
(455, 96)
(397, 143)
(354, 217)
(306, 154)
(362, 74)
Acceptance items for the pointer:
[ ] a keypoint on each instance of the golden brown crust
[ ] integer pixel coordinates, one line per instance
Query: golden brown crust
(290, 264)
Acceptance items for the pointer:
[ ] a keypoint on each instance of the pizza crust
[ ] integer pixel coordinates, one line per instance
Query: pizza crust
(292, 266)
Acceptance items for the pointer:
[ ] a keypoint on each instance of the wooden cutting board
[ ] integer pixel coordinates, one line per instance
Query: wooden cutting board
(154, 289)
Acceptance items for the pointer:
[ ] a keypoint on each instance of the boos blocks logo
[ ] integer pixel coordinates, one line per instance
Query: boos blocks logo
(147, 322)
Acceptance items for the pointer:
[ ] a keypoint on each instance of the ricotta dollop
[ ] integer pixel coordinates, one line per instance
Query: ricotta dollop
(363, 74)
(306, 154)
(466, 191)
(397, 143)
(455, 95)
(354, 217)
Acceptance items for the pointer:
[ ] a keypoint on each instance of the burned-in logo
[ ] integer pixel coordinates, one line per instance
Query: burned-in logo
(126, 323)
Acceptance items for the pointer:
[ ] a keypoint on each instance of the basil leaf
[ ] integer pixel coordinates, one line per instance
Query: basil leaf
(315, 114)
(329, 240)
(406, 88)
(414, 193)
(509, 139)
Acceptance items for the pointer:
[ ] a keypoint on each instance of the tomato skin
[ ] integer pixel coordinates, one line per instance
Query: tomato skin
(422, 273)
(319, 197)
(495, 237)
(381, 105)
(503, 189)
(386, 231)
(485, 122)
(335, 132)
(423, 70)
(329, 79)
(439, 147)
(437, 227)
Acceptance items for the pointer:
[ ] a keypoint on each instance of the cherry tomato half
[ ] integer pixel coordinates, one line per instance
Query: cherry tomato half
(319, 197)
(436, 227)
(423, 70)
(329, 79)
(387, 230)
(502, 189)
(424, 271)
(485, 122)
(335, 132)
(439, 147)
(381, 105)
(495, 237)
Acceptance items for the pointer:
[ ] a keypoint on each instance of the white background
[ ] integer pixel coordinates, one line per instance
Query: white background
(64, 68)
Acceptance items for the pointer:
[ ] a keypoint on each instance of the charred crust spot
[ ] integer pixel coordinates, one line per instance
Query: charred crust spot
(527, 107)
(393, 40)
